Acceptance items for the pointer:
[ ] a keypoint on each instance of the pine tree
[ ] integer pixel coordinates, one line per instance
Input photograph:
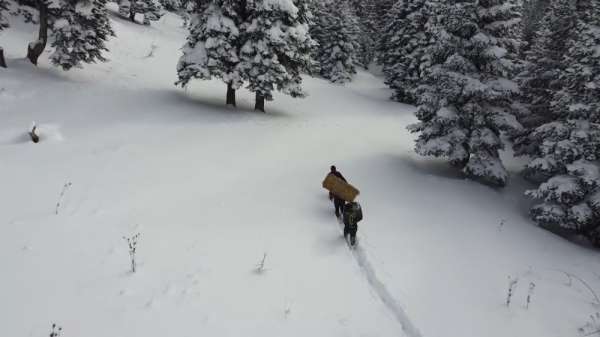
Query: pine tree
(81, 33)
(533, 12)
(338, 46)
(3, 25)
(365, 28)
(502, 19)
(465, 101)
(213, 46)
(544, 59)
(174, 6)
(150, 9)
(379, 9)
(77, 28)
(402, 48)
(565, 152)
(371, 16)
(579, 78)
(125, 10)
(277, 48)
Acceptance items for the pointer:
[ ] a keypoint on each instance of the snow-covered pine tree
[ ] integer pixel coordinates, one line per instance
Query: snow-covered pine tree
(570, 198)
(150, 9)
(80, 34)
(125, 10)
(365, 38)
(367, 35)
(567, 150)
(502, 19)
(579, 97)
(3, 25)
(78, 27)
(338, 46)
(533, 12)
(464, 103)
(277, 48)
(544, 59)
(377, 13)
(174, 6)
(402, 48)
(213, 46)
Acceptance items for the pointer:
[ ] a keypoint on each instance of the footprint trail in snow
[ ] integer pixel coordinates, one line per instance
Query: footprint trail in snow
(382, 292)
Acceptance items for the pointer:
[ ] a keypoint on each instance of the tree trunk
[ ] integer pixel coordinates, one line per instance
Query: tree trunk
(2, 60)
(35, 49)
(259, 103)
(230, 94)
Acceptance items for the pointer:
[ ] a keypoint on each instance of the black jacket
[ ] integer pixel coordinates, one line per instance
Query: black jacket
(339, 175)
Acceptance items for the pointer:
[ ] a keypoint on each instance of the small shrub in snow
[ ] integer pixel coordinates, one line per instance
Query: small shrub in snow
(501, 225)
(287, 311)
(132, 244)
(584, 283)
(62, 194)
(260, 267)
(56, 330)
(529, 294)
(153, 48)
(512, 285)
(592, 326)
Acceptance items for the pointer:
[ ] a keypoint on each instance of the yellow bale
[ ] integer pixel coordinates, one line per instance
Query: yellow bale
(340, 188)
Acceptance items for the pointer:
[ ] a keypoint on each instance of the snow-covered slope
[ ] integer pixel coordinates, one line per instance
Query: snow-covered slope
(211, 190)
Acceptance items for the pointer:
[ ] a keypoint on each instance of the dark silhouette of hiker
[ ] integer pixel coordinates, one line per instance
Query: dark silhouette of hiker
(352, 215)
(338, 202)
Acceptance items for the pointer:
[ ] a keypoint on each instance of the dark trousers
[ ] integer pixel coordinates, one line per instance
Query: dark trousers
(350, 230)
(339, 206)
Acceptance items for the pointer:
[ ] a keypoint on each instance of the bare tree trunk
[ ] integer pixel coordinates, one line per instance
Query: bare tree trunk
(259, 103)
(2, 60)
(230, 94)
(35, 49)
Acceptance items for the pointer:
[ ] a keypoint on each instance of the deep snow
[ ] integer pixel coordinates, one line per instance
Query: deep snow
(211, 189)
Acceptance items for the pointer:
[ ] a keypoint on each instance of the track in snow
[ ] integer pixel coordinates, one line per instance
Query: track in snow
(382, 292)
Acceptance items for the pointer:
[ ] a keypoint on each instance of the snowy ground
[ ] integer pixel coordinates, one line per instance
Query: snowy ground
(212, 189)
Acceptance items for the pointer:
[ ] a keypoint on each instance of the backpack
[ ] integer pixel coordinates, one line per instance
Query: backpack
(352, 214)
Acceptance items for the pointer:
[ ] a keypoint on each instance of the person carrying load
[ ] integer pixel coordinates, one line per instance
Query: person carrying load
(346, 208)
(338, 203)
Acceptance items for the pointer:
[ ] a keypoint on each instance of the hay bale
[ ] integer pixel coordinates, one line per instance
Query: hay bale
(340, 188)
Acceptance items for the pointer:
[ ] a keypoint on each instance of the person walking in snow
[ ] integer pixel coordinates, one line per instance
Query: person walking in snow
(338, 202)
(352, 215)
